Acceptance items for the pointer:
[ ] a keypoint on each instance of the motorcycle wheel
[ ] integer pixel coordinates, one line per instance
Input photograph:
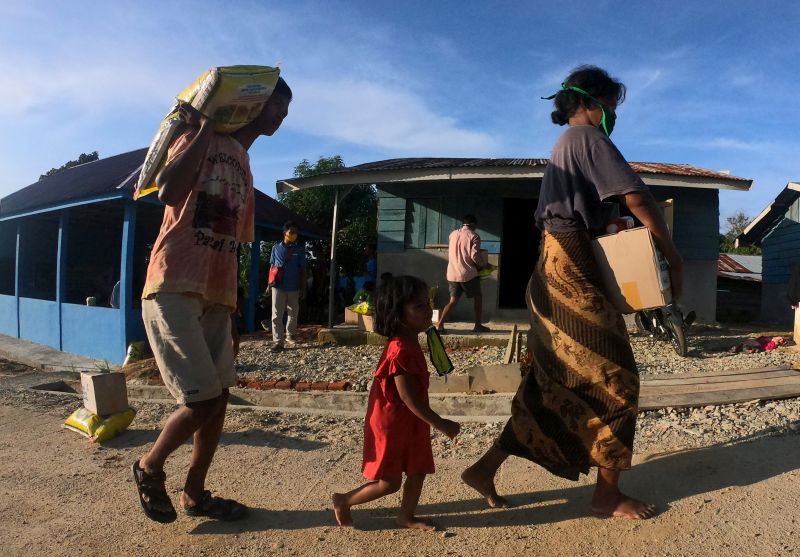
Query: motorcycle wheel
(677, 338)
(641, 323)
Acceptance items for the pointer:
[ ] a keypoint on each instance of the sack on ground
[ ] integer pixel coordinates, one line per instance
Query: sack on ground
(96, 428)
(232, 96)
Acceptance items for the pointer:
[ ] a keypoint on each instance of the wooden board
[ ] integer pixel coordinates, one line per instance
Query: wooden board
(727, 387)
(511, 347)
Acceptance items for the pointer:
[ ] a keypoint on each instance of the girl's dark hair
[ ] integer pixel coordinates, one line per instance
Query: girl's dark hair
(282, 88)
(594, 81)
(390, 302)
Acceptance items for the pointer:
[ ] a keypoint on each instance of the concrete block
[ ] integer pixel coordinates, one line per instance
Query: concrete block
(454, 384)
(501, 378)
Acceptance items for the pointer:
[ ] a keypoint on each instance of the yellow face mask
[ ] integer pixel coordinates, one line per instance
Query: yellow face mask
(290, 237)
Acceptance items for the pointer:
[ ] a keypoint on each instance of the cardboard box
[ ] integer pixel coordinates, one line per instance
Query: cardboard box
(366, 322)
(635, 275)
(104, 393)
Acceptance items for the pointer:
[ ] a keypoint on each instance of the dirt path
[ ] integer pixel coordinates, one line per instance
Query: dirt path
(60, 495)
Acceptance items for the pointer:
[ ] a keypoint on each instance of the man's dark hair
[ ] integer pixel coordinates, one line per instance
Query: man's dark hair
(469, 219)
(390, 303)
(594, 81)
(282, 88)
(289, 224)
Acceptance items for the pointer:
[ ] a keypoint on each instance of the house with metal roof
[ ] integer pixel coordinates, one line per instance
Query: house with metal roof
(777, 231)
(421, 200)
(68, 238)
(738, 287)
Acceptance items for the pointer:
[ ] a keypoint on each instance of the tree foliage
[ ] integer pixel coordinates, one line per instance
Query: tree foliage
(357, 219)
(83, 158)
(736, 223)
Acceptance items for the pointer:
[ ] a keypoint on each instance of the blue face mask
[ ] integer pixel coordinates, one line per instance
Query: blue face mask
(608, 118)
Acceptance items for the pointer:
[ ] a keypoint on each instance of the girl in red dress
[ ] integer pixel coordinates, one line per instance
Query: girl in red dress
(397, 428)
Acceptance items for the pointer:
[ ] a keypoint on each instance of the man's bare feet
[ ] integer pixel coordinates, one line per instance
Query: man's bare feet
(341, 510)
(483, 484)
(415, 523)
(622, 506)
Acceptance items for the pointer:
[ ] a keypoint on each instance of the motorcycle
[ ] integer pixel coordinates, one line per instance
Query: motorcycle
(666, 323)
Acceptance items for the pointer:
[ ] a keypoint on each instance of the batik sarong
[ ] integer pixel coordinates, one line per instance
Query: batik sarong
(576, 406)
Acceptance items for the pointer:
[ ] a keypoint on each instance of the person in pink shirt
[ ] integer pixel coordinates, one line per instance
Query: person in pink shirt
(464, 260)
(189, 299)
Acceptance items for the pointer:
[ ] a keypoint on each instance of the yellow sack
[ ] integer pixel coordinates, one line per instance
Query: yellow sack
(487, 271)
(96, 428)
(232, 96)
(363, 308)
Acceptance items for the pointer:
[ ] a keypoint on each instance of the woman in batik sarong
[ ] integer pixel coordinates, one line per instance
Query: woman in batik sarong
(576, 406)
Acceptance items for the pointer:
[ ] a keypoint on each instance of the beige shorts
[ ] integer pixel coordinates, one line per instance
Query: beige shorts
(192, 344)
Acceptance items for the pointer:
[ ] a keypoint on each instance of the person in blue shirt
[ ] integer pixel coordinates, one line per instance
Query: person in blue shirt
(372, 262)
(288, 286)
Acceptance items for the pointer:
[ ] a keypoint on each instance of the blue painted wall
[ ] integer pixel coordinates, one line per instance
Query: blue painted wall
(38, 322)
(780, 250)
(413, 215)
(8, 315)
(420, 215)
(695, 220)
(92, 331)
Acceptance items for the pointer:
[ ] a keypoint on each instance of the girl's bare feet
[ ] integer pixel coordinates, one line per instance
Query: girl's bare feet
(622, 506)
(476, 478)
(341, 510)
(414, 523)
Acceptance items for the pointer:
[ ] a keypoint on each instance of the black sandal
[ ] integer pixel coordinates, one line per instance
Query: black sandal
(152, 486)
(216, 508)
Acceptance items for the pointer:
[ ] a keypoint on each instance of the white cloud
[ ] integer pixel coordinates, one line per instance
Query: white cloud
(372, 114)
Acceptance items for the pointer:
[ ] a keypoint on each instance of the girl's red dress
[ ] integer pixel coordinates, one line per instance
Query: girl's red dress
(395, 440)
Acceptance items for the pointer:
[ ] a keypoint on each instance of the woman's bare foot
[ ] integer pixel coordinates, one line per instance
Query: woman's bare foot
(415, 523)
(622, 506)
(477, 479)
(341, 510)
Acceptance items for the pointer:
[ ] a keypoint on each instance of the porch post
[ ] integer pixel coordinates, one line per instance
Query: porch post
(17, 274)
(332, 283)
(61, 267)
(126, 273)
(252, 296)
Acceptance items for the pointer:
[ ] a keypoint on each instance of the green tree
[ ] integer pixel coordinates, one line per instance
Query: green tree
(736, 223)
(83, 158)
(358, 213)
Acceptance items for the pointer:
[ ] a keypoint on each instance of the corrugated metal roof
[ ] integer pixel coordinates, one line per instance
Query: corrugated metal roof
(741, 267)
(431, 163)
(119, 173)
(770, 217)
(79, 182)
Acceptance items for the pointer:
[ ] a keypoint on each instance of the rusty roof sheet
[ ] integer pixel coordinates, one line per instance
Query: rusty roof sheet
(432, 163)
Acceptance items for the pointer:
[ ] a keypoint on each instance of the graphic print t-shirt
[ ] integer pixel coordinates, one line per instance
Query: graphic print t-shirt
(195, 251)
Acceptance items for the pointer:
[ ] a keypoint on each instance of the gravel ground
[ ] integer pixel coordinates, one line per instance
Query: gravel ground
(709, 350)
(661, 430)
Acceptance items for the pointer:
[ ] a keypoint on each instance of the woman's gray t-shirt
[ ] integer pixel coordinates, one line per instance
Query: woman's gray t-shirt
(584, 170)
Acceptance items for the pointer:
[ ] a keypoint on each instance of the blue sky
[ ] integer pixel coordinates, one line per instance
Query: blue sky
(710, 83)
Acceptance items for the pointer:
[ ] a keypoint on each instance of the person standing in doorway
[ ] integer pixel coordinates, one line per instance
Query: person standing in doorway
(464, 260)
(288, 286)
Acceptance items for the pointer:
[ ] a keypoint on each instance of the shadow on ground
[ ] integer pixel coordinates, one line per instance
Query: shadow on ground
(252, 437)
(662, 479)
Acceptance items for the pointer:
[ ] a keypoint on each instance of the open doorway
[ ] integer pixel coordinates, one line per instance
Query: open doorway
(519, 251)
